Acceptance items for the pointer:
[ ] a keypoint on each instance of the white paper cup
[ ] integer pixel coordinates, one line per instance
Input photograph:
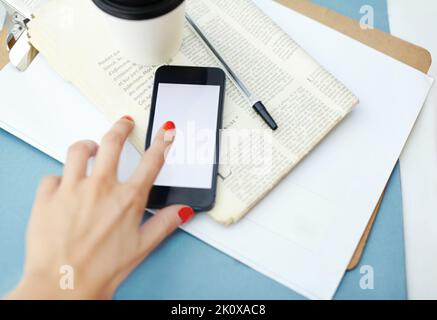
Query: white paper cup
(147, 32)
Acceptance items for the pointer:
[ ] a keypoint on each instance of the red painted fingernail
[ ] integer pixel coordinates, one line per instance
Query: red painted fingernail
(186, 213)
(128, 118)
(169, 125)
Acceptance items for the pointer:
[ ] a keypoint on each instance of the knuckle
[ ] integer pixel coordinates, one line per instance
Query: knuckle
(155, 159)
(132, 194)
(97, 190)
(78, 147)
(47, 183)
(160, 144)
(113, 138)
(48, 180)
(166, 224)
(101, 181)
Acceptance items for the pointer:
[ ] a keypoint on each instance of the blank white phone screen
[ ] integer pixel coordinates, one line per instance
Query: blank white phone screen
(194, 110)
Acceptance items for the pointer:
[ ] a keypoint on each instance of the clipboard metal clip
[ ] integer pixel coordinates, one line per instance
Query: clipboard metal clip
(16, 30)
(21, 52)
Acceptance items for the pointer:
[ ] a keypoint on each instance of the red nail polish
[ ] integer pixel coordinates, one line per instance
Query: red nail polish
(169, 125)
(128, 118)
(186, 213)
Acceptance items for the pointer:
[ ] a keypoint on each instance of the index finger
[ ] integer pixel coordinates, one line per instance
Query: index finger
(154, 158)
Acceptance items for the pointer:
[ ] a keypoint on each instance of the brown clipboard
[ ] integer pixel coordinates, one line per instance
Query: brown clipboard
(4, 59)
(408, 53)
(401, 50)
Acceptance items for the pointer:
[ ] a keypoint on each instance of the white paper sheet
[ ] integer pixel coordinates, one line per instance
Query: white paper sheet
(304, 233)
(415, 21)
(25, 7)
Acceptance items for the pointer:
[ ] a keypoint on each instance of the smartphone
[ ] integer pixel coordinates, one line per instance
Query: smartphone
(193, 98)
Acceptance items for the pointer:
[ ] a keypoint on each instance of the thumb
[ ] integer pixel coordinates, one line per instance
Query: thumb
(162, 224)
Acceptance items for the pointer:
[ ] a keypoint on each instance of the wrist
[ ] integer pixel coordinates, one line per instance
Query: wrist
(39, 287)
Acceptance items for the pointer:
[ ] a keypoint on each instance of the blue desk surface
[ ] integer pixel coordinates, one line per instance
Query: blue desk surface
(184, 267)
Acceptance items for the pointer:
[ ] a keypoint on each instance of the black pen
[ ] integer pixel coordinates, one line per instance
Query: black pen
(257, 104)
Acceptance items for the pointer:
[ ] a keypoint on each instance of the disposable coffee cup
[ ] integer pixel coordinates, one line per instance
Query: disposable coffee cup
(147, 32)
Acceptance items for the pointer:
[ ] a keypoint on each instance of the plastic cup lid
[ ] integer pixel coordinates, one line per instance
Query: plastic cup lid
(137, 9)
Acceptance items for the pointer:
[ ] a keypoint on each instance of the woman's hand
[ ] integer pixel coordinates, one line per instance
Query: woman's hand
(90, 227)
